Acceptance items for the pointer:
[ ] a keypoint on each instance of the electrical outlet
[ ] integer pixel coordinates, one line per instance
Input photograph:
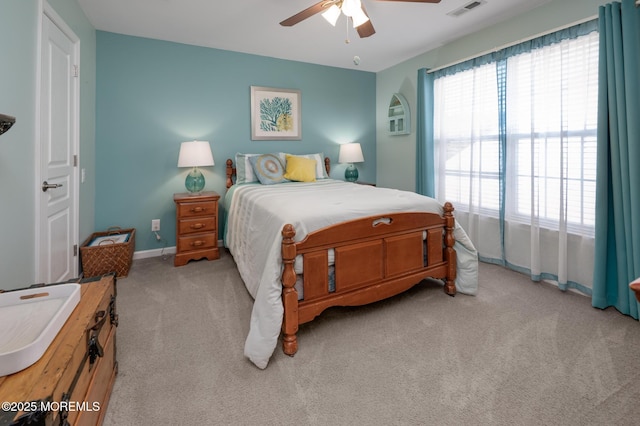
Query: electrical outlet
(155, 224)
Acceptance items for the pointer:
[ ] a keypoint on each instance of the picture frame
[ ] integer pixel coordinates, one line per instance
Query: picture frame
(276, 114)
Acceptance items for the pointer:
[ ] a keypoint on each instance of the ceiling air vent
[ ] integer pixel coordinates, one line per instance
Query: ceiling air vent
(467, 7)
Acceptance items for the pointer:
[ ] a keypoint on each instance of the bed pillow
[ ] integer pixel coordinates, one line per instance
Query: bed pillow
(268, 168)
(244, 171)
(321, 172)
(300, 169)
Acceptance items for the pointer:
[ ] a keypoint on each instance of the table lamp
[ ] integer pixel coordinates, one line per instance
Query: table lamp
(351, 153)
(195, 154)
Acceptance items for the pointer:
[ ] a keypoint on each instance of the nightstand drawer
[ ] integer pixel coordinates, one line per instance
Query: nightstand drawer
(204, 224)
(197, 242)
(203, 208)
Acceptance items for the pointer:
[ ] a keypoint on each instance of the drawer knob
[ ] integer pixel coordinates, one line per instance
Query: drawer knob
(197, 209)
(197, 243)
(197, 226)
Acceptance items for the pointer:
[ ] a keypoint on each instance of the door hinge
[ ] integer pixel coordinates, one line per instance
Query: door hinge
(75, 160)
(76, 71)
(75, 250)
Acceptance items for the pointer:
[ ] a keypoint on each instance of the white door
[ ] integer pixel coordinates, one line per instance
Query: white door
(57, 191)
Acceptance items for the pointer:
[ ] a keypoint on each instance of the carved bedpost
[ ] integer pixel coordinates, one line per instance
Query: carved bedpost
(327, 165)
(450, 253)
(289, 293)
(230, 172)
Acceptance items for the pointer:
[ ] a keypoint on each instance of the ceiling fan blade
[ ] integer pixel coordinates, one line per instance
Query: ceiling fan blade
(414, 1)
(321, 6)
(366, 29)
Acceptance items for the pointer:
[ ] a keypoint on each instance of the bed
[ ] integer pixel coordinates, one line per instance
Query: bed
(302, 247)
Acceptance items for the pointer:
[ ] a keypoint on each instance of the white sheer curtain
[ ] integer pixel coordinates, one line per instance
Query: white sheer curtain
(543, 221)
(551, 160)
(467, 153)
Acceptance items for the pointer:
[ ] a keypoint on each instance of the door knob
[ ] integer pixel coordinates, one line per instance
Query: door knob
(46, 186)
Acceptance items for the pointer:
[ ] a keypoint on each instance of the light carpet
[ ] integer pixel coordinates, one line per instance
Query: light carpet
(519, 353)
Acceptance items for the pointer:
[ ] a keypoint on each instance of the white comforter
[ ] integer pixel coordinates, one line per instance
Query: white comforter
(255, 217)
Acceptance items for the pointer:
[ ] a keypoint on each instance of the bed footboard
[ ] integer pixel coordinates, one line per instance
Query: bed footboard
(373, 258)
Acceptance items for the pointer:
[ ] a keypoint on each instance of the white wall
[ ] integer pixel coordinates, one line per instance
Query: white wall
(396, 154)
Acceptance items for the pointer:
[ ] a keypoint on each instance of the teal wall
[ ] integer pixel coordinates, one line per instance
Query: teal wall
(152, 95)
(18, 23)
(396, 154)
(19, 26)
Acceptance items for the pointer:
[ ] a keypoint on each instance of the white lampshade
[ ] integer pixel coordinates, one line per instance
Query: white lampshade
(332, 14)
(195, 154)
(350, 153)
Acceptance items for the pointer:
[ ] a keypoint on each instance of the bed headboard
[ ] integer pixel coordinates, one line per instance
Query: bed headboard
(231, 170)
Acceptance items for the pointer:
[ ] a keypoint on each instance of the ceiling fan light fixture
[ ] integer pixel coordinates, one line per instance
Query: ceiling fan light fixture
(330, 10)
(332, 14)
(359, 18)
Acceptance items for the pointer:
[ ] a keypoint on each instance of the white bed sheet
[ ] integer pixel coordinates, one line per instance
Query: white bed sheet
(255, 217)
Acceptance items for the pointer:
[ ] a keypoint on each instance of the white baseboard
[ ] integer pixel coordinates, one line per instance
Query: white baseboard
(144, 254)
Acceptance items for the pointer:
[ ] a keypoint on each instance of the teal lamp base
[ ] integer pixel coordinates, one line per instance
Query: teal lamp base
(195, 181)
(351, 173)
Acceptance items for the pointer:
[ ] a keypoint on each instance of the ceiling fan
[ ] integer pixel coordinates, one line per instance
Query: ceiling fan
(353, 9)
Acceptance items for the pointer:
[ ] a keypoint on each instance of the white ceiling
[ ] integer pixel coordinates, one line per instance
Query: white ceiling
(403, 29)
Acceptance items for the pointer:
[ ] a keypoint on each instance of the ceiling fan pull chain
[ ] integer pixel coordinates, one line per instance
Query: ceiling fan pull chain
(347, 41)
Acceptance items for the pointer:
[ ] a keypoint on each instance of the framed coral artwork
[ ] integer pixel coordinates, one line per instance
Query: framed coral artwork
(275, 114)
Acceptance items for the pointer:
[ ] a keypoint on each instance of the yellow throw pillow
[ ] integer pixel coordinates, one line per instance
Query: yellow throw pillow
(300, 169)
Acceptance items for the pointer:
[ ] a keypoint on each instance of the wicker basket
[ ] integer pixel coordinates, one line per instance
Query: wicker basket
(108, 256)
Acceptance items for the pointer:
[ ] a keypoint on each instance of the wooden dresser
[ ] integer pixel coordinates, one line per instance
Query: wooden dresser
(196, 227)
(71, 383)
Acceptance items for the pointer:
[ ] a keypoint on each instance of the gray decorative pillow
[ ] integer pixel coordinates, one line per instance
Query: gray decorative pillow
(268, 169)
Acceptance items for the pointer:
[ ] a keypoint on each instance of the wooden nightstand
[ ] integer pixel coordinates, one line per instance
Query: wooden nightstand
(196, 227)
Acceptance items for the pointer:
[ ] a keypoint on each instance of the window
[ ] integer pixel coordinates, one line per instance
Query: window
(466, 119)
(547, 157)
(551, 134)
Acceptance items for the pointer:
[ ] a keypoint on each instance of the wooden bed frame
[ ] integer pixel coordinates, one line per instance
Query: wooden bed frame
(635, 286)
(375, 258)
